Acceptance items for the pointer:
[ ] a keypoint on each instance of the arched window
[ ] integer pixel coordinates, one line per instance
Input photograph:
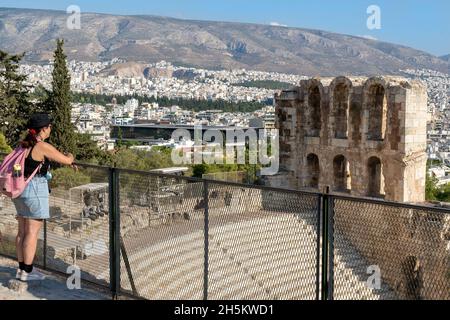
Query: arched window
(377, 106)
(342, 179)
(314, 113)
(313, 171)
(376, 182)
(341, 99)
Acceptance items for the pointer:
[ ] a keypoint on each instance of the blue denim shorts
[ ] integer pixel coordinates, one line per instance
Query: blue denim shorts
(33, 202)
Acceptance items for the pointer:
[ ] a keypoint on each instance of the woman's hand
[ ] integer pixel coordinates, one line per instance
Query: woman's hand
(70, 156)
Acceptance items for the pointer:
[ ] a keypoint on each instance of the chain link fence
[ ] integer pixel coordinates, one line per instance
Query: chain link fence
(162, 231)
(263, 244)
(390, 251)
(77, 233)
(163, 237)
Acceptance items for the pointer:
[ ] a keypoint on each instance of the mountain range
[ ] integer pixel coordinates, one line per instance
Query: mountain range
(446, 58)
(206, 44)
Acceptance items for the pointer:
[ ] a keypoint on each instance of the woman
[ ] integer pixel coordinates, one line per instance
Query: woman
(33, 206)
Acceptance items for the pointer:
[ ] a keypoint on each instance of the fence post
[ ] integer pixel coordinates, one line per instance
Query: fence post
(330, 248)
(128, 267)
(325, 241)
(45, 245)
(319, 216)
(114, 233)
(206, 233)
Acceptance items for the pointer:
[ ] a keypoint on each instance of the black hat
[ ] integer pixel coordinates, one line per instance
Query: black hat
(39, 120)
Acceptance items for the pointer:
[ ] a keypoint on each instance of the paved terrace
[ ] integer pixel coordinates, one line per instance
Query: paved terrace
(53, 288)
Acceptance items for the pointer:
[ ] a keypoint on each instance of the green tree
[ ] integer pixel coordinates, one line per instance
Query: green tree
(187, 104)
(4, 147)
(88, 150)
(41, 96)
(63, 133)
(67, 178)
(199, 170)
(265, 84)
(141, 160)
(430, 188)
(443, 193)
(15, 103)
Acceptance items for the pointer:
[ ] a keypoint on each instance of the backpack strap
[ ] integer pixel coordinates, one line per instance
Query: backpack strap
(34, 173)
(29, 156)
(30, 152)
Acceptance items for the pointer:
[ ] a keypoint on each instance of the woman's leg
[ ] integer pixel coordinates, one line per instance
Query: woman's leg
(32, 228)
(19, 239)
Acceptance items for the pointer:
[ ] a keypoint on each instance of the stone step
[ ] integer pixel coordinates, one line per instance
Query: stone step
(157, 266)
(171, 256)
(261, 261)
(178, 242)
(252, 227)
(178, 281)
(268, 236)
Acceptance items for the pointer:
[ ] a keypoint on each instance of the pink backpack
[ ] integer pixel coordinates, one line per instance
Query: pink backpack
(12, 180)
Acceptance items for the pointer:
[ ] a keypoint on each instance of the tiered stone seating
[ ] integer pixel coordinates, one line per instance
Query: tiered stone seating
(269, 256)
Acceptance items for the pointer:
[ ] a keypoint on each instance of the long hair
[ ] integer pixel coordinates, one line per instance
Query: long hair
(30, 139)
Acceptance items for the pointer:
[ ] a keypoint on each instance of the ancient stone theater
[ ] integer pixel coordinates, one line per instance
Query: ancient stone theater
(360, 136)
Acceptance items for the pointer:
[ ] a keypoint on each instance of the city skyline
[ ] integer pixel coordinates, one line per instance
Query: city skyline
(414, 23)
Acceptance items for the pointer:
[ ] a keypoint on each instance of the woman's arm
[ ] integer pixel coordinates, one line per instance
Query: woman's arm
(53, 154)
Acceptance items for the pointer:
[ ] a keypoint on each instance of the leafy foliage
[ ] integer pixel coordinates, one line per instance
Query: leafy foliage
(15, 104)
(265, 84)
(59, 104)
(430, 188)
(4, 147)
(141, 160)
(67, 178)
(187, 104)
(434, 192)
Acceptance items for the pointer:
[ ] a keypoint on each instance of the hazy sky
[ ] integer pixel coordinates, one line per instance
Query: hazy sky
(420, 24)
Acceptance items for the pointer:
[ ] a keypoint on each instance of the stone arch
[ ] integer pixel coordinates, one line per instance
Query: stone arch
(341, 174)
(314, 109)
(375, 100)
(375, 177)
(313, 171)
(340, 98)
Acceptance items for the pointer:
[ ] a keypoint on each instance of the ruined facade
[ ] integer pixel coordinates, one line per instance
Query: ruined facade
(362, 136)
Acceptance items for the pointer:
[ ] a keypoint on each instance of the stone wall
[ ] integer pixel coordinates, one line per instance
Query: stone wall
(366, 137)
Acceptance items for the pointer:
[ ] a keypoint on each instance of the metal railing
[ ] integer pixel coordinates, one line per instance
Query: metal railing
(171, 237)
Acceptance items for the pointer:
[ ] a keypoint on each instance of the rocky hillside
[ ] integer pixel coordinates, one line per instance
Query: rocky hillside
(206, 44)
